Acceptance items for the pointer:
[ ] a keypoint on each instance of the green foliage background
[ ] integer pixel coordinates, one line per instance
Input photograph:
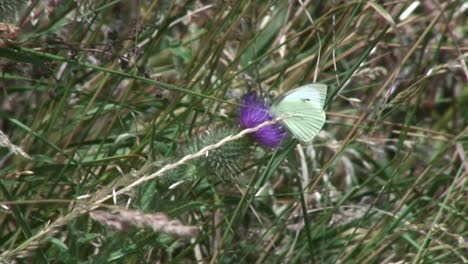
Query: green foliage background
(102, 93)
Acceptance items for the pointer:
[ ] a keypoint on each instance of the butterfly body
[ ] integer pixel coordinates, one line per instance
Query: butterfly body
(302, 110)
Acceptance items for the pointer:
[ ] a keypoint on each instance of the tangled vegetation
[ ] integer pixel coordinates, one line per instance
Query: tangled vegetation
(120, 137)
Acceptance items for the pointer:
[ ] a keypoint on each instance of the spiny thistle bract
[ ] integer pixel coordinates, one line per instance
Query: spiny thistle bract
(223, 162)
(226, 160)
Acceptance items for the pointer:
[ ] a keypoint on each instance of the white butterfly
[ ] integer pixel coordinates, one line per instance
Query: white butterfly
(303, 110)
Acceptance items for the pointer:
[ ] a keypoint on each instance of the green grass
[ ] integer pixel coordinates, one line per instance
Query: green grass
(99, 96)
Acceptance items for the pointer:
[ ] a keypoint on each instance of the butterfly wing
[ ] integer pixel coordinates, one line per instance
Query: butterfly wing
(303, 109)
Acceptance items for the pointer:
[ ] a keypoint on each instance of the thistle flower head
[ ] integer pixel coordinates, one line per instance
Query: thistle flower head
(253, 112)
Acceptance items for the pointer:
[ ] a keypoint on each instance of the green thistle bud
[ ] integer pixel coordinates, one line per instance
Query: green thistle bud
(225, 161)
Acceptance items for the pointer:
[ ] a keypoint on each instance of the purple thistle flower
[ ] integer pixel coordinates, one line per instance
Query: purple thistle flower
(253, 112)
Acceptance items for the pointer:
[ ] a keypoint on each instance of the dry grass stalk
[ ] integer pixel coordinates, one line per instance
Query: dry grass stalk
(5, 142)
(123, 219)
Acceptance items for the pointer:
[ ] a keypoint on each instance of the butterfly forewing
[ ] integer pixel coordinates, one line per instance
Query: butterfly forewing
(316, 93)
